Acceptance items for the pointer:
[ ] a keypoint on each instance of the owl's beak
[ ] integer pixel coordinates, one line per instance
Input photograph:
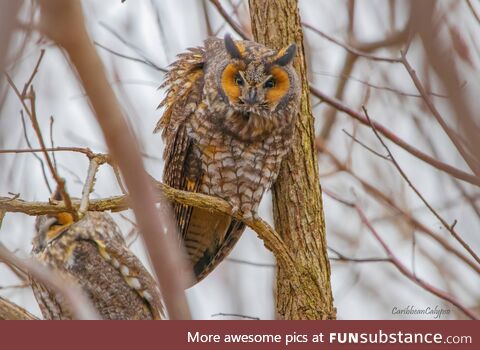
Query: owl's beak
(251, 97)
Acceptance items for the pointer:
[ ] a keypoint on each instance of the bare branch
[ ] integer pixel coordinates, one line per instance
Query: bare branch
(230, 20)
(11, 311)
(472, 9)
(474, 180)
(355, 51)
(33, 74)
(454, 138)
(222, 314)
(144, 61)
(399, 265)
(388, 200)
(450, 228)
(33, 118)
(2, 216)
(42, 165)
(370, 149)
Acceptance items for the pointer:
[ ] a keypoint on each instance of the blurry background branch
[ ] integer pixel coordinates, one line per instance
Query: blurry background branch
(8, 22)
(63, 22)
(399, 265)
(440, 58)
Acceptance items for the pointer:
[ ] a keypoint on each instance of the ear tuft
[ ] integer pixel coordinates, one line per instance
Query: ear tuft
(285, 55)
(231, 47)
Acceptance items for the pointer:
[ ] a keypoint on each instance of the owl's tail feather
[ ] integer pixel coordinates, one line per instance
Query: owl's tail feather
(209, 239)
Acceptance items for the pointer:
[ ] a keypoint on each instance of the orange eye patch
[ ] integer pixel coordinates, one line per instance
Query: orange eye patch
(231, 89)
(282, 84)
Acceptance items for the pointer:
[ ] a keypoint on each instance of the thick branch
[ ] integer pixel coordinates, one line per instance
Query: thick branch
(11, 311)
(119, 203)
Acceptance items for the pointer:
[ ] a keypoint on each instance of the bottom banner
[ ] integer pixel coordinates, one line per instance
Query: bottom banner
(225, 335)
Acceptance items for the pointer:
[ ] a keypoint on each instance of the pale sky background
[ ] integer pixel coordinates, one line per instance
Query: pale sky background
(162, 29)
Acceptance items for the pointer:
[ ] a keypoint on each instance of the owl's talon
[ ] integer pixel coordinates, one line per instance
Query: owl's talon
(235, 210)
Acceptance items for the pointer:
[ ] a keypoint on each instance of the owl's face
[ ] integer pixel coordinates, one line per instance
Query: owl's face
(258, 85)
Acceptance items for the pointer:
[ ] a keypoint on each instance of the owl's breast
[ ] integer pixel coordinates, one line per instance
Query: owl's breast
(237, 171)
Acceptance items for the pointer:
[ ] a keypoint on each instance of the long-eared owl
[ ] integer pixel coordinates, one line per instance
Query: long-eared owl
(228, 121)
(93, 253)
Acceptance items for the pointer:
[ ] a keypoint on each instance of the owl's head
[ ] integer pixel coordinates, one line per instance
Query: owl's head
(257, 79)
(48, 228)
(254, 90)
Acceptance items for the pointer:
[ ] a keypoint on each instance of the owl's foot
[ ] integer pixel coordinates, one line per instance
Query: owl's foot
(247, 214)
(236, 210)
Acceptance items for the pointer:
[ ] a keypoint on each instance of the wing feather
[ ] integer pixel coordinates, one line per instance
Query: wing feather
(208, 237)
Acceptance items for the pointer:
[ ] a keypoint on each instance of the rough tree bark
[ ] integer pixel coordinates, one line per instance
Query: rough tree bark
(297, 202)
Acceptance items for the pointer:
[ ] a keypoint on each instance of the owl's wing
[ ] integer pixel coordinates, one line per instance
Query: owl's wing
(94, 253)
(208, 237)
(184, 82)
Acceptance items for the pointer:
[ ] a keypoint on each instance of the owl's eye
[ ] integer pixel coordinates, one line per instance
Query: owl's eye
(270, 83)
(238, 80)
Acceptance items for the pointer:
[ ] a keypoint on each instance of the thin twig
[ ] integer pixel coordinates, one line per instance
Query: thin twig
(33, 118)
(145, 61)
(222, 314)
(399, 265)
(342, 257)
(468, 159)
(42, 165)
(472, 9)
(119, 179)
(474, 180)
(378, 154)
(351, 49)
(230, 20)
(450, 228)
(52, 143)
(82, 150)
(34, 73)
(378, 87)
(380, 196)
(2, 216)
(250, 263)
(16, 286)
(234, 12)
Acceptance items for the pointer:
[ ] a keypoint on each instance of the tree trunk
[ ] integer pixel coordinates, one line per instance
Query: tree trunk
(297, 202)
